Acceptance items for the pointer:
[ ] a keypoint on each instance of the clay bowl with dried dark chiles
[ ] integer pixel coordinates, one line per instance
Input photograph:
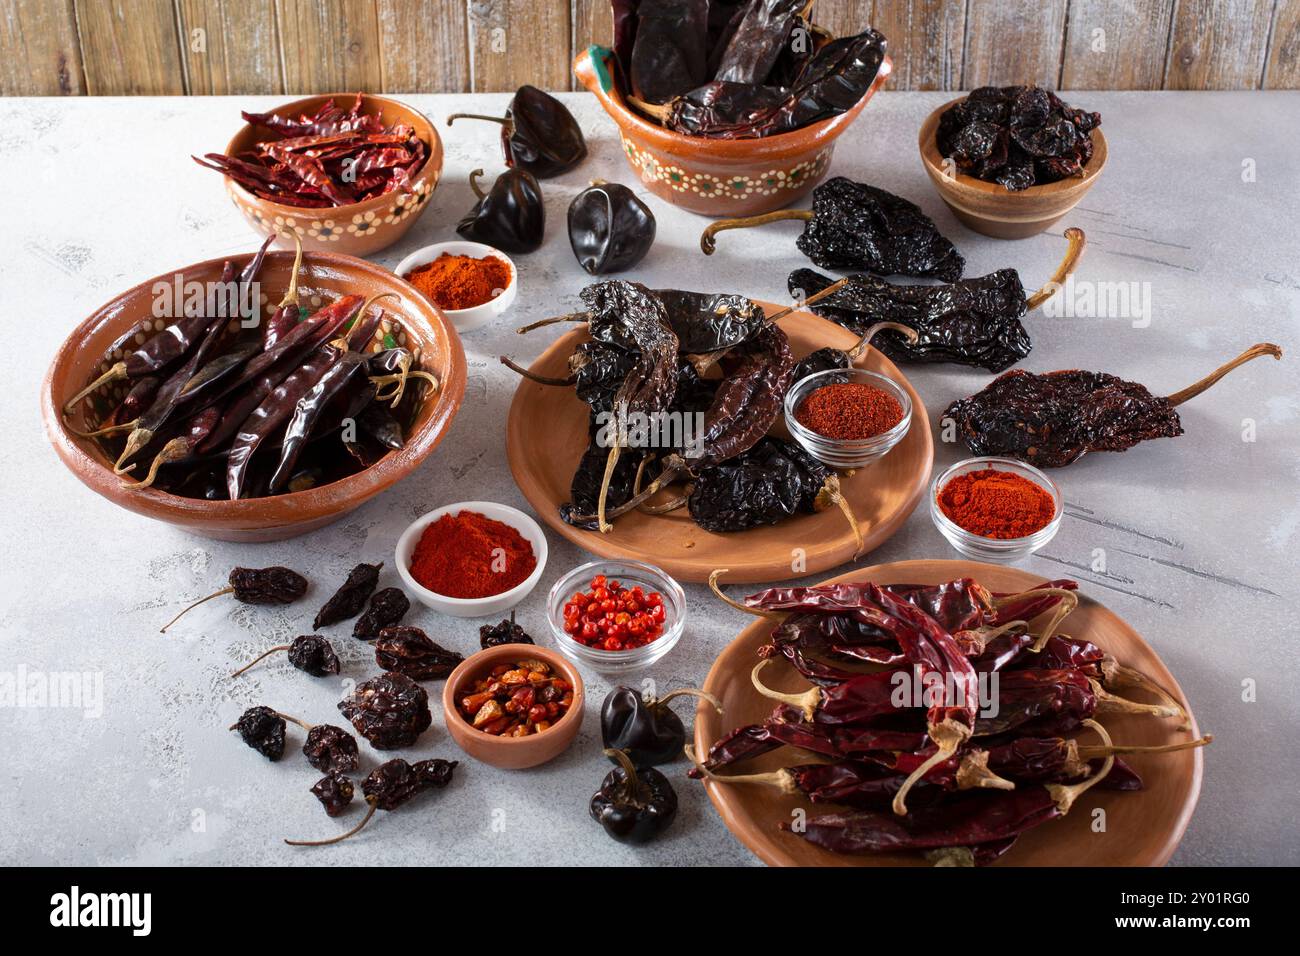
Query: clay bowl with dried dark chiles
(1029, 206)
(1054, 716)
(484, 713)
(332, 475)
(396, 186)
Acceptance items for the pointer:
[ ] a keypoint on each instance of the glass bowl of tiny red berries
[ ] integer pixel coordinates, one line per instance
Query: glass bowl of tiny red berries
(616, 616)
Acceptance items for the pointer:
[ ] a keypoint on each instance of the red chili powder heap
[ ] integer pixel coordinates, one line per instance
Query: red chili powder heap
(460, 282)
(469, 555)
(849, 411)
(996, 504)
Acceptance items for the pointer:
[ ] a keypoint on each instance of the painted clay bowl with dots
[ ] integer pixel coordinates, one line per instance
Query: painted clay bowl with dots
(118, 326)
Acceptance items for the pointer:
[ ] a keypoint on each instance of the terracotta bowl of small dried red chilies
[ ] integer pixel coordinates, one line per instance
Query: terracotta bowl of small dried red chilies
(117, 335)
(992, 208)
(518, 736)
(347, 172)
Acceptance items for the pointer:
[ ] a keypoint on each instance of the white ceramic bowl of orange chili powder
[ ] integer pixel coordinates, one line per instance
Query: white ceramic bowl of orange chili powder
(470, 282)
(472, 558)
(995, 509)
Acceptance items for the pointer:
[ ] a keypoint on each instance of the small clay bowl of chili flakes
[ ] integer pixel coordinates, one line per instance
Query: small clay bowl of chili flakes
(514, 706)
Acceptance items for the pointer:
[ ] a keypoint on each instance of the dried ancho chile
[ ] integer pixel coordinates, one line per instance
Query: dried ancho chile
(387, 607)
(610, 228)
(390, 711)
(274, 585)
(1016, 136)
(263, 730)
(409, 651)
(633, 805)
(1055, 418)
(334, 791)
(507, 632)
(537, 133)
(511, 216)
(856, 227)
(310, 653)
(350, 598)
(331, 749)
(389, 786)
(647, 730)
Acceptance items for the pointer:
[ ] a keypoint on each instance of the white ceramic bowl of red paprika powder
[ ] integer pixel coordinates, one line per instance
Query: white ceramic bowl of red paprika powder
(490, 604)
(474, 316)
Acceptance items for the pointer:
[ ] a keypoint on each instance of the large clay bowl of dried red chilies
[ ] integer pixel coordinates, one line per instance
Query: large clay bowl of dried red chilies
(358, 228)
(547, 430)
(404, 319)
(991, 208)
(1089, 662)
(720, 177)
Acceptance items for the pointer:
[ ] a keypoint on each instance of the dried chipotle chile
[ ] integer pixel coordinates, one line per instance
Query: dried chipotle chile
(389, 786)
(334, 791)
(331, 749)
(263, 730)
(1053, 419)
(390, 711)
(507, 632)
(409, 651)
(310, 653)
(273, 585)
(856, 227)
(538, 133)
(387, 608)
(351, 596)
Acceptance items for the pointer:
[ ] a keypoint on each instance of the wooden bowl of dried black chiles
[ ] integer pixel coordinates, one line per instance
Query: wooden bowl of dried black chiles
(1010, 161)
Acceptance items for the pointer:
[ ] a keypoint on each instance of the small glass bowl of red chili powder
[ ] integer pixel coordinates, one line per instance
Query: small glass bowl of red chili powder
(472, 559)
(470, 282)
(995, 509)
(847, 418)
(632, 593)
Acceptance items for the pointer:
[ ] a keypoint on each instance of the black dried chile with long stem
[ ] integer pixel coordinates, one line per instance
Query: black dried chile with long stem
(389, 786)
(273, 585)
(538, 133)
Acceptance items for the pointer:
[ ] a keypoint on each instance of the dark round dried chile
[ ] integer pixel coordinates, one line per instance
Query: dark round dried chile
(390, 711)
(334, 791)
(275, 585)
(387, 608)
(331, 749)
(313, 654)
(409, 651)
(507, 632)
(610, 228)
(263, 730)
(350, 598)
(393, 783)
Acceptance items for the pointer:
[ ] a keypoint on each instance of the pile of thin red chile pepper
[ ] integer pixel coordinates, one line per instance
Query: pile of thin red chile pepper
(945, 774)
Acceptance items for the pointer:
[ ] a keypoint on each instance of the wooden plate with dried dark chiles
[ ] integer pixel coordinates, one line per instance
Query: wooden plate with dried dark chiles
(681, 502)
(1082, 753)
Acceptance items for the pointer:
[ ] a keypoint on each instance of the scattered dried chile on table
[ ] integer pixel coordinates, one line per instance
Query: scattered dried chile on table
(390, 711)
(610, 228)
(409, 651)
(511, 216)
(1017, 136)
(274, 585)
(314, 655)
(647, 730)
(389, 786)
(334, 791)
(538, 133)
(506, 632)
(387, 608)
(351, 596)
(263, 730)
(633, 804)
(331, 749)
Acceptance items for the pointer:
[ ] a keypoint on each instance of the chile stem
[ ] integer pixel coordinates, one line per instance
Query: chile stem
(611, 462)
(263, 655)
(757, 612)
(174, 450)
(1108, 703)
(567, 317)
(947, 735)
(658, 113)
(832, 494)
(708, 241)
(907, 331)
(1254, 352)
(807, 701)
(630, 780)
(473, 183)
(1072, 253)
(291, 294)
(674, 465)
(534, 377)
(480, 116)
(114, 374)
(782, 779)
(1064, 796)
(214, 594)
(1091, 753)
(373, 803)
(690, 692)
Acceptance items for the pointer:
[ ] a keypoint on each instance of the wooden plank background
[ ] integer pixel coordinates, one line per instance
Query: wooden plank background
(104, 47)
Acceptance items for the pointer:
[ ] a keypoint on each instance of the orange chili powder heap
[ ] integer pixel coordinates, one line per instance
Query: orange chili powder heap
(849, 411)
(469, 555)
(460, 282)
(996, 504)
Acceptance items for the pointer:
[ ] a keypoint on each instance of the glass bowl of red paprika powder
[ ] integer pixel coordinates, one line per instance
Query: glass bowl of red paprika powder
(470, 282)
(623, 579)
(471, 559)
(847, 418)
(995, 509)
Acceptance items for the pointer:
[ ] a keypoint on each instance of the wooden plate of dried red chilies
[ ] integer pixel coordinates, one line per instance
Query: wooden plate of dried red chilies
(814, 778)
(120, 333)
(548, 428)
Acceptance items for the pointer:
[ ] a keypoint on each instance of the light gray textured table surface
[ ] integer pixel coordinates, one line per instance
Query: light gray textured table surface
(1199, 534)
